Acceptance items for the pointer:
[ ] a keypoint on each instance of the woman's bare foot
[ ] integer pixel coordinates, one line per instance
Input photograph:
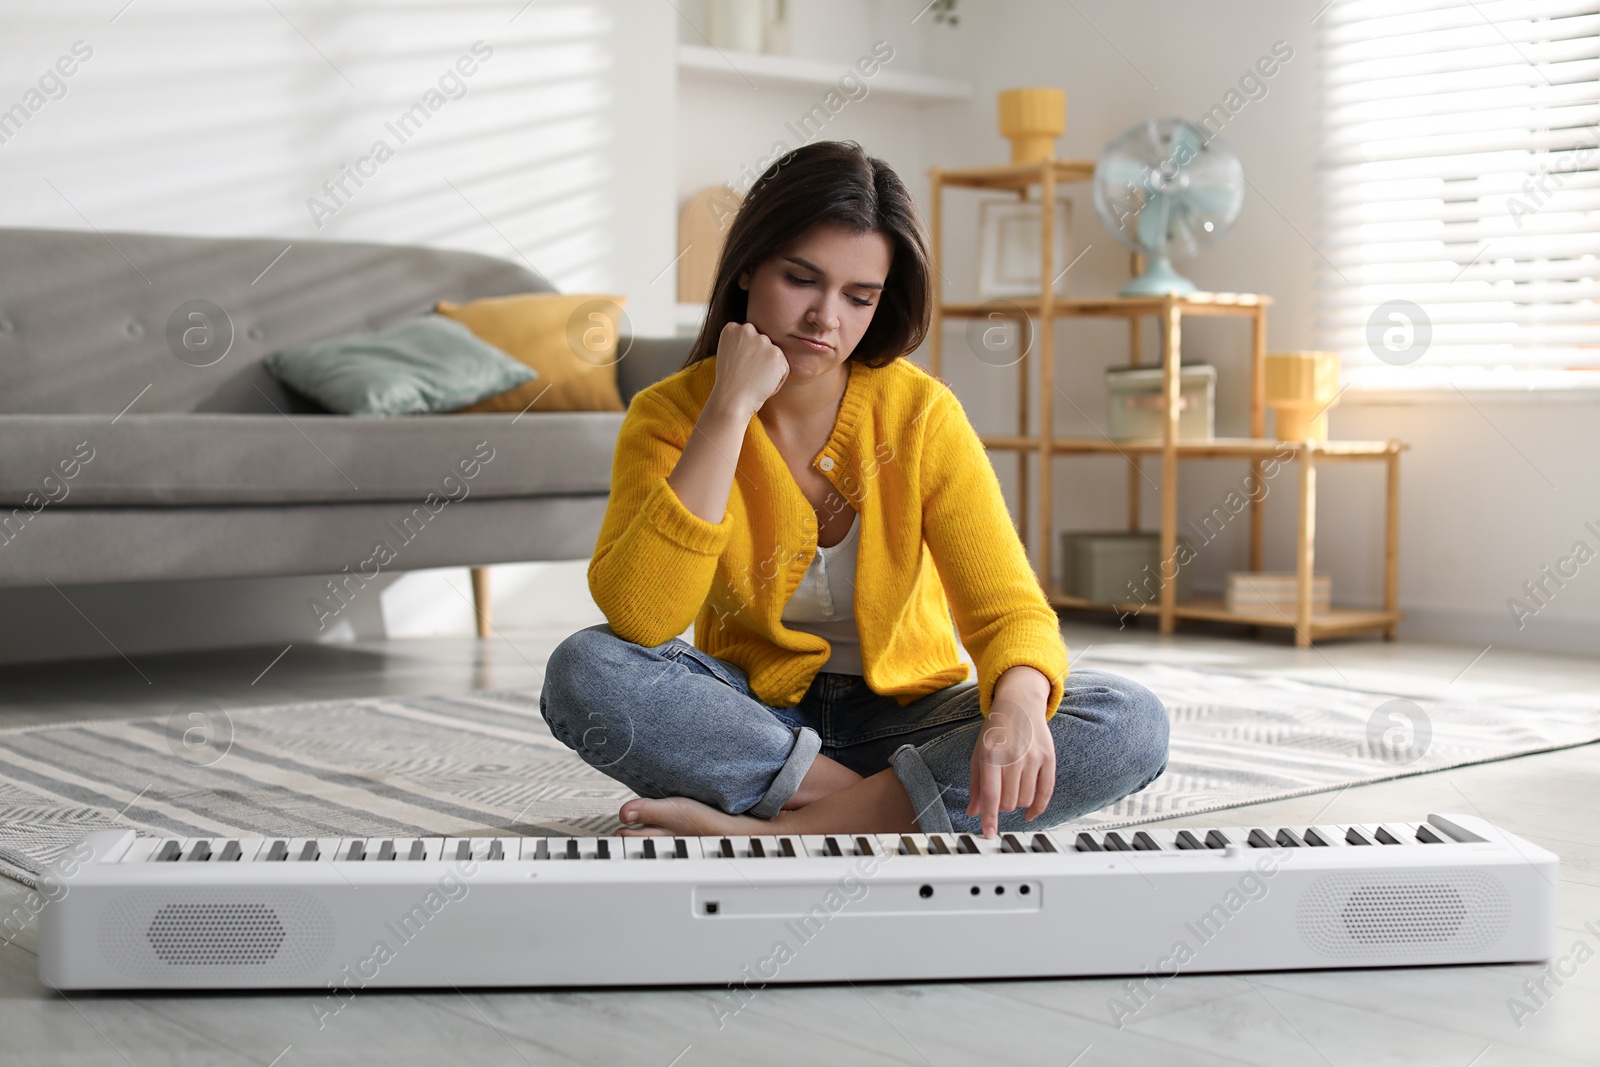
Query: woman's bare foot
(685, 817)
(875, 804)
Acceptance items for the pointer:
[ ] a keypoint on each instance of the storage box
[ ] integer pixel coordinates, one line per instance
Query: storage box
(1138, 406)
(1275, 591)
(1115, 566)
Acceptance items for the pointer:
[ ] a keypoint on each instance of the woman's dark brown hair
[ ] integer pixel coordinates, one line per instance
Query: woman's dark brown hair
(828, 181)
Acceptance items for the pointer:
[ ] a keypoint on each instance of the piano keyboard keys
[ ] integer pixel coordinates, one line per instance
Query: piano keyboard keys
(768, 848)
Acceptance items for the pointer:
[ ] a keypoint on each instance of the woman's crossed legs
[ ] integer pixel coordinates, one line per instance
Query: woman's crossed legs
(683, 730)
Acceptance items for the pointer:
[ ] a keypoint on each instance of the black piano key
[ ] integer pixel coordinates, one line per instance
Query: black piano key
(1216, 839)
(602, 849)
(1385, 837)
(310, 853)
(278, 851)
(831, 846)
(1041, 843)
(909, 846)
(463, 850)
(863, 847)
(541, 849)
(1115, 843)
(727, 849)
(1259, 839)
(417, 852)
(1145, 843)
(1186, 840)
(386, 850)
(1009, 843)
(1426, 835)
(1087, 844)
(757, 849)
(572, 848)
(169, 852)
(786, 845)
(498, 852)
(1288, 838)
(649, 848)
(938, 845)
(230, 852)
(681, 849)
(200, 852)
(1354, 836)
(1315, 839)
(358, 851)
(964, 843)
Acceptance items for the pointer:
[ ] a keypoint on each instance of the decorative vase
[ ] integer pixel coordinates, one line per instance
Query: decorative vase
(775, 35)
(735, 24)
(1032, 119)
(1301, 386)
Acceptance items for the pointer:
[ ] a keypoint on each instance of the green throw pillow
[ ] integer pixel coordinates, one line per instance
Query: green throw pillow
(426, 364)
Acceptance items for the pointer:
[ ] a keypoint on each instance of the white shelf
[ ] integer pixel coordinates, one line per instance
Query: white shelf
(701, 63)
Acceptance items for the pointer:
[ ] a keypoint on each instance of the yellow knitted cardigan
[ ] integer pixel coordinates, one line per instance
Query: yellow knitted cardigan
(905, 456)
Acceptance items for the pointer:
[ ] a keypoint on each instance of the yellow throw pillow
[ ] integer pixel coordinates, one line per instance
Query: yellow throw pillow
(570, 339)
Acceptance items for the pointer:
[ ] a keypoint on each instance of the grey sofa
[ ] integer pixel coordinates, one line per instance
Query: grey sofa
(132, 450)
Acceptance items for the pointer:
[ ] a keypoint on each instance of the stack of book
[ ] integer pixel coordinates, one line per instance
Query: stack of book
(1255, 591)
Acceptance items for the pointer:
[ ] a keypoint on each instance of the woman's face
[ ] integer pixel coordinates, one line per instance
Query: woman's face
(825, 286)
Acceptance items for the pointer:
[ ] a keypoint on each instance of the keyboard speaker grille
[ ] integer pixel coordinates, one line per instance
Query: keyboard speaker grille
(282, 933)
(1396, 913)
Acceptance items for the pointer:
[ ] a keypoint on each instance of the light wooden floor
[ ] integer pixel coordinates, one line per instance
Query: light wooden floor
(1457, 1016)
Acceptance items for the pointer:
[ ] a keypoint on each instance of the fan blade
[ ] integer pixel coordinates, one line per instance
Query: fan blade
(1218, 203)
(1184, 229)
(1123, 174)
(1186, 143)
(1152, 225)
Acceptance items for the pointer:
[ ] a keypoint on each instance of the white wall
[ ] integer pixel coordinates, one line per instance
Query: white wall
(199, 118)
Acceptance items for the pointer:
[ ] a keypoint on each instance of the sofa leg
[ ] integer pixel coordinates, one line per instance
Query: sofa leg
(480, 599)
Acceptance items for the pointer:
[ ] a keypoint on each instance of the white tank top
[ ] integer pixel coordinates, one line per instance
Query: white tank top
(824, 602)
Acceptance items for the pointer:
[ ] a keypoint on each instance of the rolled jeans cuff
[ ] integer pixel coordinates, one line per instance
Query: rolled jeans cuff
(927, 799)
(807, 743)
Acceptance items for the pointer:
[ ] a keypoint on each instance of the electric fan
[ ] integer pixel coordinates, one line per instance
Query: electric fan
(1164, 190)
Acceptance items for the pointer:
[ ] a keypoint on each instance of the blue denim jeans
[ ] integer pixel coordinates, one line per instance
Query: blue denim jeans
(674, 720)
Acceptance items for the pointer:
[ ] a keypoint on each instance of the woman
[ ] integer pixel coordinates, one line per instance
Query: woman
(818, 506)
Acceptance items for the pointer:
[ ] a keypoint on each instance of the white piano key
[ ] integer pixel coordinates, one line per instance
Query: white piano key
(142, 849)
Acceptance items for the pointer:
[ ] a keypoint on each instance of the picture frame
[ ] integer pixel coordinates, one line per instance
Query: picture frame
(1008, 247)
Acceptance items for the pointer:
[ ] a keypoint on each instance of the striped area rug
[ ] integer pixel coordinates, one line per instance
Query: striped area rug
(485, 763)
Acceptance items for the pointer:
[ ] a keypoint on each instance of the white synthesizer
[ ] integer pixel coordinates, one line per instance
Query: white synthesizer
(126, 912)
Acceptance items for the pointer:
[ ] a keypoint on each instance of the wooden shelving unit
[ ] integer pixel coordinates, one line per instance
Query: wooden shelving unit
(1169, 311)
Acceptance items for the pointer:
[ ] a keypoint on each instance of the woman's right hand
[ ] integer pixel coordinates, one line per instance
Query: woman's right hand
(750, 368)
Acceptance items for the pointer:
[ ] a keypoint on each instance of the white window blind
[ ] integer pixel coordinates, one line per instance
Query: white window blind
(1460, 177)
